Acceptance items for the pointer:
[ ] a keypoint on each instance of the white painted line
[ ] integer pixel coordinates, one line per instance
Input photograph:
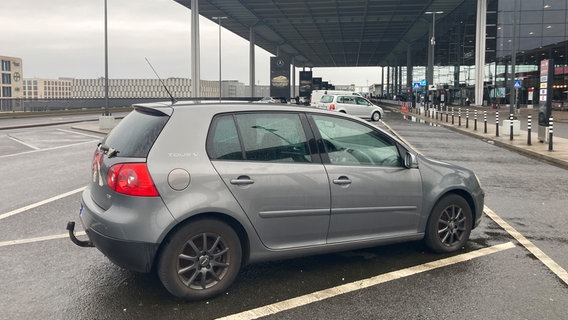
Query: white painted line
(539, 254)
(40, 203)
(81, 133)
(38, 239)
(46, 149)
(362, 284)
(21, 142)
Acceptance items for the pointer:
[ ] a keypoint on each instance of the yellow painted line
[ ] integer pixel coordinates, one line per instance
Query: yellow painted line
(539, 254)
(362, 284)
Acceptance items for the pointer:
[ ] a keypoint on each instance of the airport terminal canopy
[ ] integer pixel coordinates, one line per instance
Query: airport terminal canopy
(323, 33)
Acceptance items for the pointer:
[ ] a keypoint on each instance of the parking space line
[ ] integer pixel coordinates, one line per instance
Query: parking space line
(40, 203)
(46, 149)
(531, 247)
(39, 239)
(81, 133)
(362, 284)
(21, 142)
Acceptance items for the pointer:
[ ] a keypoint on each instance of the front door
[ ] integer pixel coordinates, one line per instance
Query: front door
(373, 195)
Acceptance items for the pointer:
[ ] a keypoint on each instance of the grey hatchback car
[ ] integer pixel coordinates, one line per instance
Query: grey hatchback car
(197, 191)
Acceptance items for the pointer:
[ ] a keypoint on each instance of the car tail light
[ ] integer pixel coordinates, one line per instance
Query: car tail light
(131, 179)
(332, 107)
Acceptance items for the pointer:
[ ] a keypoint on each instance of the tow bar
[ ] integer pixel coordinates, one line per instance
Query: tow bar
(80, 243)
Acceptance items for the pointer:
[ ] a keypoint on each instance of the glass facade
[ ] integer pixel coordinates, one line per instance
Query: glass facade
(527, 33)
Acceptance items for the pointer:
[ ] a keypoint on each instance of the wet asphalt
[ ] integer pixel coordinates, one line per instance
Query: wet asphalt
(45, 276)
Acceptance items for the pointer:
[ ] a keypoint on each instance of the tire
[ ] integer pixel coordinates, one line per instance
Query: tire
(449, 224)
(200, 260)
(376, 116)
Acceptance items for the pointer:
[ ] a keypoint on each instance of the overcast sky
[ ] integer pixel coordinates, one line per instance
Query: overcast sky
(65, 38)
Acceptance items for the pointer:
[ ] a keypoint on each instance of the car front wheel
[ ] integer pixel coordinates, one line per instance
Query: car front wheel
(449, 224)
(200, 260)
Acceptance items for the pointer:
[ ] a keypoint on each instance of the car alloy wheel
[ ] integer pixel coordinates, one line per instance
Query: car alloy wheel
(201, 260)
(449, 224)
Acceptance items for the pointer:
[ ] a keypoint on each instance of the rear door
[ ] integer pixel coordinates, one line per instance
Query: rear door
(266, 161)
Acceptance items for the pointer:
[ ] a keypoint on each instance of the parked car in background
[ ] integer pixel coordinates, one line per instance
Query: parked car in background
(268, 100)
(196, 191)
(351, 104)
(318, 94)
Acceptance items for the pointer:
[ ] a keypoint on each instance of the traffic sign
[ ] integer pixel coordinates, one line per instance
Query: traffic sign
(416, 85)
(423, 82)
(518, 84)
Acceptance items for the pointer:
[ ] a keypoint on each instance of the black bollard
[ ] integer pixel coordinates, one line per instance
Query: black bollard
(550, 134)
(497, 123)
(511, 127)
(529, 120)
(484, 121)
(475, 120)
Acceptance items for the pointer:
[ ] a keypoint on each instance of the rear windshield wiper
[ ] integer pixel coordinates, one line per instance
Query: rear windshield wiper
(110, 152)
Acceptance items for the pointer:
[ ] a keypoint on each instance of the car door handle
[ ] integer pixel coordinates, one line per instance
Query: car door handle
(242, 181)
(343, 180)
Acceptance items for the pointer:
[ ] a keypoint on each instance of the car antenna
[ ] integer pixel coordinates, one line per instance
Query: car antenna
(162, 82)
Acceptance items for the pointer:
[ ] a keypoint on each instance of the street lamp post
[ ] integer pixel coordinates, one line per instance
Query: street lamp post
(107, 113)
(430, 75)
(219, 19)
(106, 120)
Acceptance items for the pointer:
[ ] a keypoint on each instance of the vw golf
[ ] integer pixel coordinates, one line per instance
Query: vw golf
(196, 191)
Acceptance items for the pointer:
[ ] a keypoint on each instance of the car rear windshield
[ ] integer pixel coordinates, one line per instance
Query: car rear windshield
(135, 134)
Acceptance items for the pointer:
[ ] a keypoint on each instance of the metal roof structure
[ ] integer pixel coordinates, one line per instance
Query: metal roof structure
(334, 33)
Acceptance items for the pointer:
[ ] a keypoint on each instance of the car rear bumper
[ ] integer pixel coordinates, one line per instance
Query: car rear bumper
(129, 236)
(135, 256)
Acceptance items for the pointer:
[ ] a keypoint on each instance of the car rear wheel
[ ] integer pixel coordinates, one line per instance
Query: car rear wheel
(200, 260)
(376, 116)
(449, 224)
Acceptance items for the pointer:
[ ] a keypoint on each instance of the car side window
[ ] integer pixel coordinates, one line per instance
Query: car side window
(350, 100)
(224, 142)
(362, 101)
(351, 143)
(263, 136)
(273, 137)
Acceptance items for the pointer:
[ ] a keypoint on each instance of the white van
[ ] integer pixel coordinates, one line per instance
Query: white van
(317, 94)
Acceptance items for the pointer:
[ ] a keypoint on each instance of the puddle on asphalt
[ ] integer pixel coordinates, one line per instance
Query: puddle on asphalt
(410, 118)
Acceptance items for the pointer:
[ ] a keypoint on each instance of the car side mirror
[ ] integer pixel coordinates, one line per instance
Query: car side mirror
(410, 161)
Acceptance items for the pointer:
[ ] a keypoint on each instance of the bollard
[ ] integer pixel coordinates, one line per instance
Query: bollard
(475, 120)
(447, 111)
(459, 117)
(452, 115)
(550, 134)
(511, 127)
(484, 121)
(529, 120)
(466, 118)
(497, 123)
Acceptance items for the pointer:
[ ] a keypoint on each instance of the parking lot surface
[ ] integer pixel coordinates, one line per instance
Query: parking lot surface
(496, 276)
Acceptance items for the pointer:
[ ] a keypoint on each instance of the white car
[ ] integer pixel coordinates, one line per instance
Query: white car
(351, 104)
